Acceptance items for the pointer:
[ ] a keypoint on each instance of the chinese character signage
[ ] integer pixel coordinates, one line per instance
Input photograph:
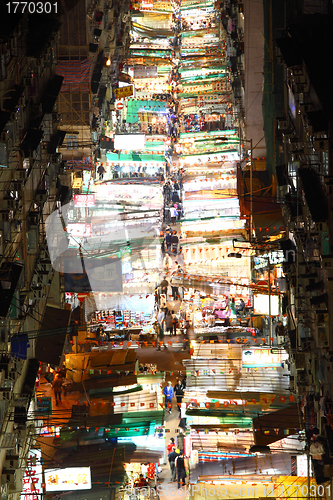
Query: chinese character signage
(71, 478)
(84, 200)
(33, 478)
(126, 91)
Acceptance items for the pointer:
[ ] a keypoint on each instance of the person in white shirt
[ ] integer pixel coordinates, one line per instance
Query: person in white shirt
(167, 262)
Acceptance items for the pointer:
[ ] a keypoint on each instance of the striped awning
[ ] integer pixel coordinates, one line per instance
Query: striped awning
(76, 75)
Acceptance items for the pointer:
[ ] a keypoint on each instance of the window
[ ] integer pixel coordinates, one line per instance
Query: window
(292, 172)
(71, 141)
(3, 155)
(325, 163)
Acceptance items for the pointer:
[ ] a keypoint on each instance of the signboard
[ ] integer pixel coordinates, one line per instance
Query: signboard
(124, 92)
(255, 358)
(33, 477)
(44, 406)
(219, 99)
(84, 200)
(148, 196)
(212, 118)
(261, 304)
(275, 257)
(145, 71)
(147, 4)
(302, 466)
(69, 479)
(130, 142)
(119, 106)
(220, 86)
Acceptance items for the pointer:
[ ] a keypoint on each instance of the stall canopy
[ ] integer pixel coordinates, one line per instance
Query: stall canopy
(274, 426)
(136, 106)
(52, 335)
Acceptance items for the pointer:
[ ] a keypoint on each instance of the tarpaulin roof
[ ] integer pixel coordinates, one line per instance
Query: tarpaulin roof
(274, 426)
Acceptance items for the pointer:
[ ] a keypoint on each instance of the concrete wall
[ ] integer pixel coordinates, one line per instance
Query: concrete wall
(254, 61)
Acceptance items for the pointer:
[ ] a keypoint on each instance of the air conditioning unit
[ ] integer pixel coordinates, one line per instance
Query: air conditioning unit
(298, 71)
(300, 88)
(41, 61)
(27, 82)
(322, 332)
(12, 461)
(4, 216)
(282, 125)
(61, 167)
(320, 144)
(304, 108)
(4, 136)
(55, 158)
(300, 80)
(41, 196)
(8, 476)
(10, 203)
(20, 174)
(29, 155)
(37, 109)
(47, 267)
(327, 261)
(38, 294)
(17, 185)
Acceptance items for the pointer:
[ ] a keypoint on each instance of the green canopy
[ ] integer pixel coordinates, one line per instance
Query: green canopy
(134, 157)
(134, 107)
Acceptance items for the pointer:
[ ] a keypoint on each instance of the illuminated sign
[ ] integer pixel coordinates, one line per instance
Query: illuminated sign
(50, 431)
(261, 304)
(72, 478)
(275, 257)
(255, 358)
(33, 477)
(84, 200)
(123, 92)
(130, 142)
(302, 466)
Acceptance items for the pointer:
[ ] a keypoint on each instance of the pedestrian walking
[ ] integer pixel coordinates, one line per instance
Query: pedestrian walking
(171, 446)
(161, 323)
(173, 213)
(101, 171)
(174, 243)
(174, 289)
(57, 387)
(172, 457)
(169, 322)
(174, 323)
(167, 262)
(168, 241)
(179, 392)
(180, 468)
(168, 395)
(164, 286)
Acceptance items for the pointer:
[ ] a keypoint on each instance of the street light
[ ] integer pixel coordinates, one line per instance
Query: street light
(236, 255)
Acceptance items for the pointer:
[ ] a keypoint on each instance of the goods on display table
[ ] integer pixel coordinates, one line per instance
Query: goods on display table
(139, 478)
(225, 332)
(112, 319)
